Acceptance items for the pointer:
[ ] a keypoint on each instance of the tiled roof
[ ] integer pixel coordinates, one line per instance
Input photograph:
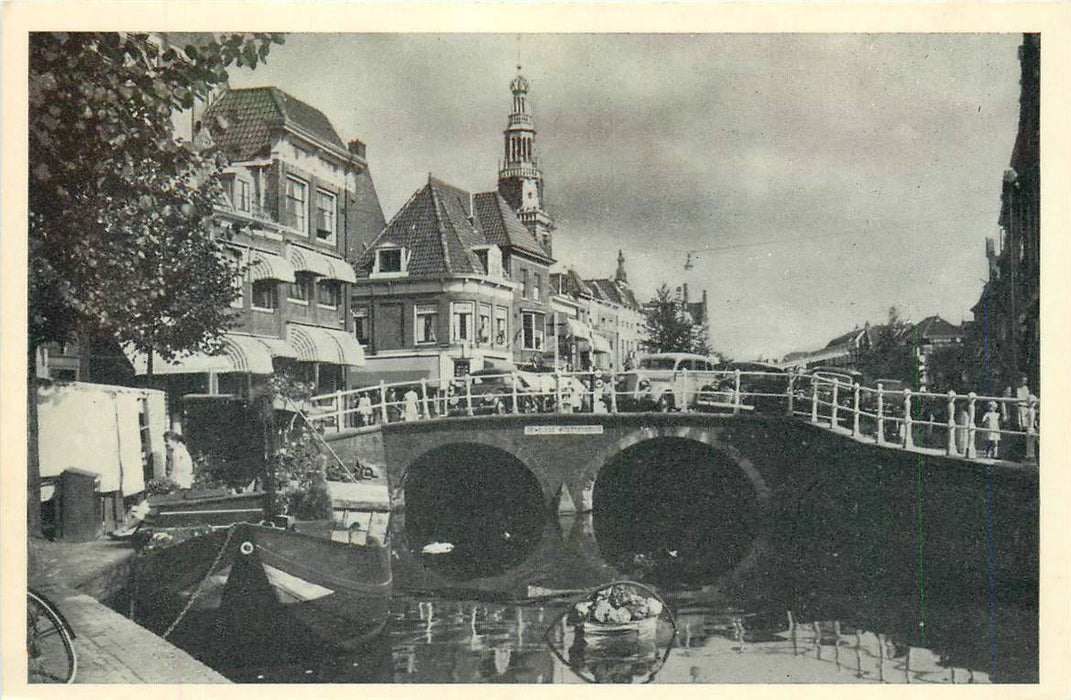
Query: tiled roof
(937, 327)
(607, 289)
(502, 227)
(434, 227)
(846, 338)
(242, 121)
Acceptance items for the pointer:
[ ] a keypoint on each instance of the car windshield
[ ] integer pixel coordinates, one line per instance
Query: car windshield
(657, 363)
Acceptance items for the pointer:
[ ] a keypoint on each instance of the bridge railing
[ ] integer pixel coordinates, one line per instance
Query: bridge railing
(964, 425)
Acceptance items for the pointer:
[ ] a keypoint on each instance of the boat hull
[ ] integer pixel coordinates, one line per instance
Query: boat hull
(255, 583)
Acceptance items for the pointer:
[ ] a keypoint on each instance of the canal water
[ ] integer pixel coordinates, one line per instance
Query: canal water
(495, 609)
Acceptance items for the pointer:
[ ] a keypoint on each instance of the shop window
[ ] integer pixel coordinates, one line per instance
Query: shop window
(325, 216)
(328, 294)
(533, 327)
(427, 322)
(300, 290)
(461, 322)
(501, 326)
(296, 204)
(360, 325)
(266, 295)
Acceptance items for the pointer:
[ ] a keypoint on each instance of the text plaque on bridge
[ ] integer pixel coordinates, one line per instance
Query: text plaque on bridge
(563, 430)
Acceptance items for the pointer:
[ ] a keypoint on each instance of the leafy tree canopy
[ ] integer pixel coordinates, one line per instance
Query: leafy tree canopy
(669, 327)
(119, 207)
(890, 356)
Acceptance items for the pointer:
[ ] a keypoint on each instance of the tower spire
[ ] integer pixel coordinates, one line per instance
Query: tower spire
(520, 181)
(620, 275)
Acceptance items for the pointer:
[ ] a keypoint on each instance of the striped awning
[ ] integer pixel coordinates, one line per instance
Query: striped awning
(240, 353)
(307, 260)
(600, 344)
(269, 266)
(326, 266)
(278, 347)
(577, 329)
(316, 344)
(341, 270)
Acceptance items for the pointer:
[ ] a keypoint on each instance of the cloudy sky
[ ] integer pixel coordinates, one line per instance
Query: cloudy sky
(818, 178)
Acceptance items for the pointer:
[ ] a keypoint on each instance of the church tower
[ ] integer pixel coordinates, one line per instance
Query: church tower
(621, 276)
(520, 181)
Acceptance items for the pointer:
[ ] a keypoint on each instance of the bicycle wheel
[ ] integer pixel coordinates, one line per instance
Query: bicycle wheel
(49, 643)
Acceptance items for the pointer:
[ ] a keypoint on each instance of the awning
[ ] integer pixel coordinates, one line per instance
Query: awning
(600, 344)
(240, 353)
(269, 266)
(326, 266)
(307, 260)
(278, 347)
(577, 329)
(340, 270)
(316, 344)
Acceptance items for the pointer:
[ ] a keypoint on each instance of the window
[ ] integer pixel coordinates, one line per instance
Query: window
(524, 283)
(427, 322)
(461, 321)
(485, 323)
(533, 326)
(501, 326)
(242, 195)
(537, 288)
(360, 325)
(389, 260)
(300, 290)
(296, 203)
(266, 295)
(325, 216)
(328, 294)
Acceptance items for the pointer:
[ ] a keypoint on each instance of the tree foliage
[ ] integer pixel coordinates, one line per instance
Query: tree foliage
(891, 354)
(118, 207)
(669, 327)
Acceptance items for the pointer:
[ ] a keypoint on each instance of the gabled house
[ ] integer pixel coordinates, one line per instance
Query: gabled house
(434, 297)
(296, 201)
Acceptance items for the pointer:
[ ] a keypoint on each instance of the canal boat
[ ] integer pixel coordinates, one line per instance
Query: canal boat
(255, 583)
(197, 508)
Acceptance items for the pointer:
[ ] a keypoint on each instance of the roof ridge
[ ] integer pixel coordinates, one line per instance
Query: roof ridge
(436, 202)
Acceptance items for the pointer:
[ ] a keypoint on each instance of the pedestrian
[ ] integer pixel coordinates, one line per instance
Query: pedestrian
(180, 465)
(991, 425)
(1022, 392)
(364, 409)
(412, 412)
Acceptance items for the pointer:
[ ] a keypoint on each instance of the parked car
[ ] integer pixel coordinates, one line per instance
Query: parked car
(762, 392)
(668, 379)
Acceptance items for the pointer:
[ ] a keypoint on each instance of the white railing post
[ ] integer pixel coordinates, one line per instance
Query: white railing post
(613, 391)
(834, 409)
(468, 394)
(383, 401)
(790, 394)
(1031, 432)
(736, 392)
(338, 410)
(424, 396)
(558, 391)
(513, 383)
(814, 398)
(972, 452)
(855, 410)
(881, 415)
(909, 440)
(951, 447)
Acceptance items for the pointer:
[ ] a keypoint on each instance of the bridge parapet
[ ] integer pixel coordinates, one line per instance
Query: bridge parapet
(969, 426)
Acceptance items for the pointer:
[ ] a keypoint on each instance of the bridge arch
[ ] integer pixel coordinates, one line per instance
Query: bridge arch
(710, 436)
(717, 499)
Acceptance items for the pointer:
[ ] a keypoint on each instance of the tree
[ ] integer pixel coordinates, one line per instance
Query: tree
(890, 355)
(669, 326)
(118, 207)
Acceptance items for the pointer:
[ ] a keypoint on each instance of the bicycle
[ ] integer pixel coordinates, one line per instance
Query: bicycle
(49, 642)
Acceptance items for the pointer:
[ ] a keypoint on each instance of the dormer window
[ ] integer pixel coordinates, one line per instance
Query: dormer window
(242, 195)
(390, 261)
(490, 258)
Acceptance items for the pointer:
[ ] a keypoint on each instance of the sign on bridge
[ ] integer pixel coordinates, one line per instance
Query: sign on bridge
(563, 430)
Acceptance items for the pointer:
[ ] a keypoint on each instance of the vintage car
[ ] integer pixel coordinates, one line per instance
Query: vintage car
(671, 380)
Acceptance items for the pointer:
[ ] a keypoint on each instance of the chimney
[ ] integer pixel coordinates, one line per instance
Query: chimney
(357, 148)
(684, 289)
